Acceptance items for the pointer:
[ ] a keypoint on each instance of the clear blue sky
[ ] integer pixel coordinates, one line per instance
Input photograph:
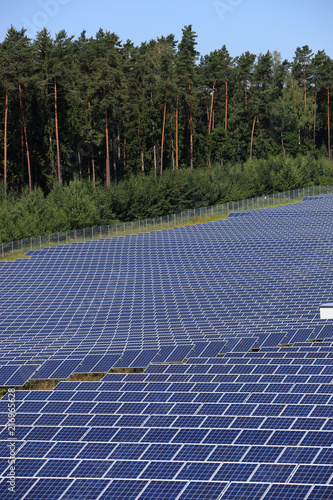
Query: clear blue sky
(254, 25)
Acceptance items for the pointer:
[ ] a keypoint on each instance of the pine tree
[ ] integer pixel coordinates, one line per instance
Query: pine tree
(43, 46)
(105, 82)
(17, 56)
(185, 61)
(318, 71)
(301, 69)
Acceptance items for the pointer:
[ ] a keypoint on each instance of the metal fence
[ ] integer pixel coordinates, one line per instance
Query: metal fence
(20, 247)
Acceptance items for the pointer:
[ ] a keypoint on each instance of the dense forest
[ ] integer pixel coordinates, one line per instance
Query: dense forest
(80, 204)
(115, 118)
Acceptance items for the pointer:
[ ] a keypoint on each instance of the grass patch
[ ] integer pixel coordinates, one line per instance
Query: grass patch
(48, 385)
(15, 257)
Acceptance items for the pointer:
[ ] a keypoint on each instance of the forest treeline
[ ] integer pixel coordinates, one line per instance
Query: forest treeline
(95, 131)
(103, 110)
(79, 204)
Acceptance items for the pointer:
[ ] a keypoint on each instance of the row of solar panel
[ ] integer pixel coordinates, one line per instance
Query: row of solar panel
(171, 470)
(103, 489)
(184, 252)
(57, 368)
(17, 375)
(147, 450)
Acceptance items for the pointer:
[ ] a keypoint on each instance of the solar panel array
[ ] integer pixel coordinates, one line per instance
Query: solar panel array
(236, 401)
(247, 424)
(93, 306)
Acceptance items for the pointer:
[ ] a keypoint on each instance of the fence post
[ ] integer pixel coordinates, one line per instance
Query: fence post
(124, 229)
(100, 231)
(108, 230)
(3, 255)
(66, 238)
(40, 242)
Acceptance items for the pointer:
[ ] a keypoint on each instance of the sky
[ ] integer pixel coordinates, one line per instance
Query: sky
(242, 25)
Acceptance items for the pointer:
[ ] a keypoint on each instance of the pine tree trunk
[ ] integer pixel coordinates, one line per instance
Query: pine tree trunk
(51, 154)
(107, 163)
(226, 106)
(177, 111)
(191, 137)
(142, 162)
(57, 131)
(245, 90)
(92, 150)
(191, 132)
(93, 168)
(80, 164)
(25, 138)
(22, 146)
(155, 159)
(124, 155)
(282, 143)
(207, 116)
(114, 155)
(328, 124)
(163, 130)
(5, 148)
(254, 123)
(314, 120)
(210, 121)
(304, 89)
(211, 108)
(172, 155)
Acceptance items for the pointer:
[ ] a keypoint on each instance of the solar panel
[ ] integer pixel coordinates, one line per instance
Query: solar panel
(207, 419)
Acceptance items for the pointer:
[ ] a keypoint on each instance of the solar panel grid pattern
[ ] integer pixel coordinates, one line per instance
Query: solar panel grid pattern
(156, 296)
(146, 448)
(245, 425)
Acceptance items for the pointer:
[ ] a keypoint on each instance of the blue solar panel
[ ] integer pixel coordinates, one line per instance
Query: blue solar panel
(121, 488)
(22, 486)
(163, 489)
(242, 425)
(85, 489)
(294, 492)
